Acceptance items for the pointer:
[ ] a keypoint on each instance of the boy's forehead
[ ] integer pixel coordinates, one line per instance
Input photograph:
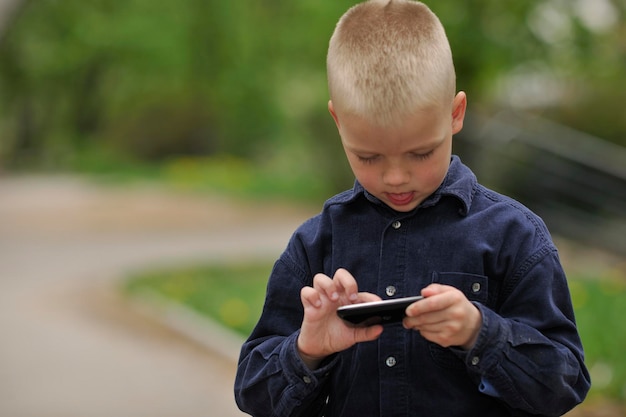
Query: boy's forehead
(427, 116)
(389, 112)
(421, 131)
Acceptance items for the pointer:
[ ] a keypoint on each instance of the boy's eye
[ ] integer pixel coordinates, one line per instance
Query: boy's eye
(422, 156)
(367, 159)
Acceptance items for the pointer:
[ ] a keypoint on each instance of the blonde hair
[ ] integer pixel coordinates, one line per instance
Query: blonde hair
(387, 58)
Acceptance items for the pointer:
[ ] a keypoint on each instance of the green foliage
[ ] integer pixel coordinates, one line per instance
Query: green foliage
(156, 79)
(233, 294)
(222, 174)
(228, 174)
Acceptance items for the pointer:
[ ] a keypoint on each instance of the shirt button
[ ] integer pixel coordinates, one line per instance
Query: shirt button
(390, 361)
(475, 360)
(390, 291)
(476, 287)
(306, 379)
(396, 224)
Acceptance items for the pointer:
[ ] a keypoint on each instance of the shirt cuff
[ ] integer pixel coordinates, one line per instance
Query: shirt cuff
(489, 346)
(299, 375)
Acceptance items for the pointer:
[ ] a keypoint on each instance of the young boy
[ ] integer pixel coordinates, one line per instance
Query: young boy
(495, 334)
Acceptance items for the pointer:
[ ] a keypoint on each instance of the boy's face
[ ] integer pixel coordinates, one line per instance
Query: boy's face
(404, 164)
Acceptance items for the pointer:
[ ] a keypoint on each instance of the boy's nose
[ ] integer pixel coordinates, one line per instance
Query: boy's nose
(396, 175)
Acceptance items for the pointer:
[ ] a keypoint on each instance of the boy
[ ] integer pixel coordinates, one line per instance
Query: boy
(495, 333)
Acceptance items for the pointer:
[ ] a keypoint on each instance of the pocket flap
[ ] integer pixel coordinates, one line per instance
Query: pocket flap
(473, 286)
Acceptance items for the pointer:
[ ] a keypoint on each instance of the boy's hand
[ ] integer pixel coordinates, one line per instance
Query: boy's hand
(323, 332)
(445, 316)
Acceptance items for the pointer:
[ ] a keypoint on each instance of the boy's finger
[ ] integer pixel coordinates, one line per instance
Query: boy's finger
(326, 286)
(364, 297)
(426, 305)
(433, 289)
(310, 297)
(347, 283)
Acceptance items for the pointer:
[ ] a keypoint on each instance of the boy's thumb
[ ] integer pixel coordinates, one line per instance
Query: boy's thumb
(370, 333)
(432, 289)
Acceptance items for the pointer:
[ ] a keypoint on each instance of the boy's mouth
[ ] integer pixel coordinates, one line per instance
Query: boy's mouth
(400, 199)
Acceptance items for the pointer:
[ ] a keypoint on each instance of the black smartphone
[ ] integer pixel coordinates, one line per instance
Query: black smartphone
(376, 312)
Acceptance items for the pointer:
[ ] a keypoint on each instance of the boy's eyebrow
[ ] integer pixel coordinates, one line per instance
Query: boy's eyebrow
(428, 146)
(356, 148)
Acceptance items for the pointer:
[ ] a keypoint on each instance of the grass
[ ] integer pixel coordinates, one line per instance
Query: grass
(234, 294)
(600, 311)
(224, 174)
(231, 294)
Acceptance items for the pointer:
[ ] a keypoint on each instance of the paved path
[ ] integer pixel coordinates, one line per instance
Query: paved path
(69, 345)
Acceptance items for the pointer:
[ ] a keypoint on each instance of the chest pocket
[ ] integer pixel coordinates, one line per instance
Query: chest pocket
(475, 288)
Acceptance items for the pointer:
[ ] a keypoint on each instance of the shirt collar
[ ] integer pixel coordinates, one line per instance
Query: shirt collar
(459, 183)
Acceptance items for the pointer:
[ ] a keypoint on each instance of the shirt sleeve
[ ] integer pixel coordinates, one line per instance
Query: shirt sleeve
(272, 379)
(529, 354)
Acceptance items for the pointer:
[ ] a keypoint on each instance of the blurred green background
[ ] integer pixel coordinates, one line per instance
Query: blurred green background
(230, 97)
(108, 85)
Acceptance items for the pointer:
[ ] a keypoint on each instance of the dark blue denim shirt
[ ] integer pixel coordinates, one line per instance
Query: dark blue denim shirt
(528, 359)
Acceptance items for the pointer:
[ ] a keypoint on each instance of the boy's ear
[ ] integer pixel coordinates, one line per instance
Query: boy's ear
(459, 105)
(331, 109)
